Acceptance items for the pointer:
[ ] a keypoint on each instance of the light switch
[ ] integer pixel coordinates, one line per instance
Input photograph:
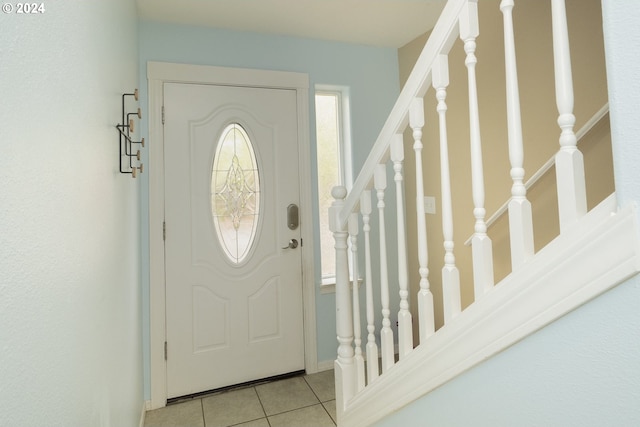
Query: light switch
(430, 205)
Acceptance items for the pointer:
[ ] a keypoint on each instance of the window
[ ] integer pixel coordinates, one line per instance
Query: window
(333, 164)
(235, 193)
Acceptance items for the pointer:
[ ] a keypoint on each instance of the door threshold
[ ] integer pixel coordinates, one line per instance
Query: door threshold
(247, 384)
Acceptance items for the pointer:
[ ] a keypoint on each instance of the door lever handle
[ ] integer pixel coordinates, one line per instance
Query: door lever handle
(293, 243)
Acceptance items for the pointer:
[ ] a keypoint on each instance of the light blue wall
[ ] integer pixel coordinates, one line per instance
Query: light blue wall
(370, 73)
(583, 370)
(622, 38)
(70, 309)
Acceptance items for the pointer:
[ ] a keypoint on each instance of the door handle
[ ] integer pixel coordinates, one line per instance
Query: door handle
(293, 243)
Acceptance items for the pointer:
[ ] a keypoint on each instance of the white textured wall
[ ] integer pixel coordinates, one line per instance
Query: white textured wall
(70, 352)
(622, 38)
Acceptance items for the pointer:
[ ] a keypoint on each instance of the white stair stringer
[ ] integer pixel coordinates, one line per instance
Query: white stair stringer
(598, 252)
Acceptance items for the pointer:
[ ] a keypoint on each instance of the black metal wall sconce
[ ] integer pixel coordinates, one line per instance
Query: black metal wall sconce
(125, 129)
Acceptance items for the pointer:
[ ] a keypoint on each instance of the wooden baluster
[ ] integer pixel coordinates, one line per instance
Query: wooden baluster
(344, 366)
(405, 332)
(450, 273)
(425, 297)
(373, 368)
(386, 333)
(480, 243)
(572, 196)
(357, 342)
(520, 218)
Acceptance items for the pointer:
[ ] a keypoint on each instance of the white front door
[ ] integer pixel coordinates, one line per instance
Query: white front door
(233, 286)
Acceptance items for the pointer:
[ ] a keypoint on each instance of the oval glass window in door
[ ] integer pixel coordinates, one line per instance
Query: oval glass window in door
(235, 193)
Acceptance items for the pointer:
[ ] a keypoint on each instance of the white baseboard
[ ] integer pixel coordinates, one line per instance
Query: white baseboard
(325, 365)
(146, 406)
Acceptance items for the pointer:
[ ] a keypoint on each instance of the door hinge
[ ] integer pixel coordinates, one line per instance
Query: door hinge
(165, 350)
(164, 230)
(301, 242)
(163, 114)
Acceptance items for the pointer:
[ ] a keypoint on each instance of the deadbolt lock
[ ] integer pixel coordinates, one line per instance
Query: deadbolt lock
(293, 219)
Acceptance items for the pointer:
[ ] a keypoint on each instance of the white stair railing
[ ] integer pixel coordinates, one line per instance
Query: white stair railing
(373, 369)
(386, 333)
(520, 217)
(480, 243)
(459, 20)
(344, 366)
(405, 330)
(450, 274)
(357, 341)
(572, 194)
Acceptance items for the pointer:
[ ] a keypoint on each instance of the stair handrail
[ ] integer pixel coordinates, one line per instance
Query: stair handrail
(441, 40)
(458, 19)
(536, 176)
(404, 112)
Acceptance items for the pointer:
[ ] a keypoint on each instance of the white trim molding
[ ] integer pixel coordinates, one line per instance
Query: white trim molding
(143, 414)
(159, 73)
(599, 252)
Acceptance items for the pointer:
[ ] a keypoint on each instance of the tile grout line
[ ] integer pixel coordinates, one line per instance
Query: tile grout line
(312, 390)
(294, 409)
(302, 407)
(261, 405)
(319, 400)
(325, 410)
(204, 420)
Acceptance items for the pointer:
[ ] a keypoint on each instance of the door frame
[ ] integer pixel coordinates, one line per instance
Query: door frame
(159, 73)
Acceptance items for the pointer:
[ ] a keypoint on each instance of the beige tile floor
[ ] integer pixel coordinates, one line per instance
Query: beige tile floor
(304, 401)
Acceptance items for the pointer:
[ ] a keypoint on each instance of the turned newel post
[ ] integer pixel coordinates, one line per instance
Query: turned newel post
(345, 373)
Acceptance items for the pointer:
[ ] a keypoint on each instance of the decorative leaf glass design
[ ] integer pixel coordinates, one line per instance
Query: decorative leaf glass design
(235, 192)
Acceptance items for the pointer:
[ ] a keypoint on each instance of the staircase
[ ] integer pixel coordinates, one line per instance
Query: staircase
(595, 250)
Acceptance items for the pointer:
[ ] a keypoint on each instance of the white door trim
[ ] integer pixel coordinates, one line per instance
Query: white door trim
(159, 73)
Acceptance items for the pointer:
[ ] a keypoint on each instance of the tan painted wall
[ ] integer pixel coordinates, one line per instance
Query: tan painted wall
(532, 20)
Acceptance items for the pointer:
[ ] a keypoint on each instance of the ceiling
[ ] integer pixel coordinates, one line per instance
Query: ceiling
(383, 23)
